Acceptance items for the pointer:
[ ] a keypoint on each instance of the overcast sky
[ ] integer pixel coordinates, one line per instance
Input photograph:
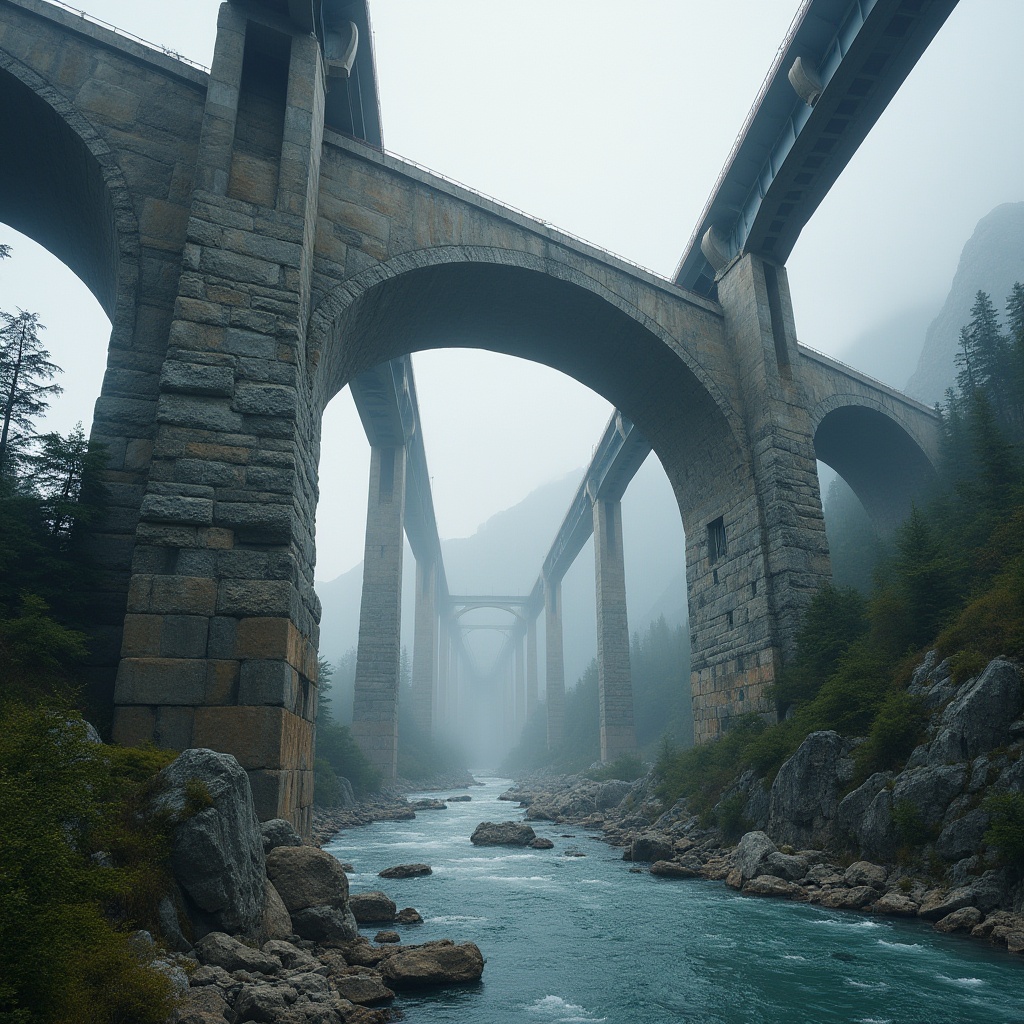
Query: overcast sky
(611, 121)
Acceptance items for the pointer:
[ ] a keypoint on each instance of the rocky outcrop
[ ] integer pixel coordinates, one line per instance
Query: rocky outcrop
(504, 833)
(806, 792)
(372, 908)
(433, 964)
(406, 871)
(217, 847)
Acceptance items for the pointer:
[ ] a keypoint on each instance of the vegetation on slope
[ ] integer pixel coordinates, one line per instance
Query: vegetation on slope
(954, 580)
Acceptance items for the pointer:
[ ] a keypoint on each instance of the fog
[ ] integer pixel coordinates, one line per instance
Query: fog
(611, 122)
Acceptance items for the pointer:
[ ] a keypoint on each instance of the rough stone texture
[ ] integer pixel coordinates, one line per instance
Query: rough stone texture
(506, 833)
(435, 963)
(217, 949)
(896, 904)
(540, 843)
(277, 923)
(938, 903)
(792, 866)
(651, 846)
(325, 923)
(962, 920)
(278, 832)
(307, 877)
(673, 869)
(978, 719)
(752, 853)
(408, 915)
(363, 989)
(850, 899)
(406, 871)
(805, 793)
(216, 853)
(863, 872)
(770, 885)
(372, 908)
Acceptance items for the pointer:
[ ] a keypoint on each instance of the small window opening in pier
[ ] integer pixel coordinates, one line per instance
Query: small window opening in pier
(716, 540)
(741, 695)
(728, 616)
(714, 575)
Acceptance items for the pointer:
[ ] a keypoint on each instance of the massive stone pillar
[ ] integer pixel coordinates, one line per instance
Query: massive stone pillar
(379, 652)
(444, 655)
(220, 639)
(424, 650)
(554, 662)
(614, 681)
(531, 669)
(758, 552)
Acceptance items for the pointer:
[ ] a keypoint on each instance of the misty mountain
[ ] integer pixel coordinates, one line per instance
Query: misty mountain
(991, 261)
(889, 350)
(505, 554)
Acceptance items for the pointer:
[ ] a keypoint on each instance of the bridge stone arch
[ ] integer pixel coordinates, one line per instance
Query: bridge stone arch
(883, 444)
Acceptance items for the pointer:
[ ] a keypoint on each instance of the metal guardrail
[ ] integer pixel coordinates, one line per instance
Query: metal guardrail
(165, 50)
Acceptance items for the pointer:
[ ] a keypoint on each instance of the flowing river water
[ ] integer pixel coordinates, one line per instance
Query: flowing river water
(581, 940)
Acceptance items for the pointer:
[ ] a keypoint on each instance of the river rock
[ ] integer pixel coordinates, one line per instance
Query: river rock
(790, 866)
(752, 852)
(863, 872)
(978, 719)
(372, 908)
(651, 846)
(406, 871)
(805, 794)
(434, 963)
(505, 833)
(409, 915)
(217, 850)
(896, 904)
(277, 922)
(962, 920)
(429, 804)
(850, 899)
(938, 903)
(293, 958)
(314, 888)
(464, 798)
(770, 885)
(540, 843)
(673, 869)
(278, 832)
(387, 936)
(365, 989)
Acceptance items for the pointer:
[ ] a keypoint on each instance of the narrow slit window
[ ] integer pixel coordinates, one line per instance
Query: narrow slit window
(716, 540)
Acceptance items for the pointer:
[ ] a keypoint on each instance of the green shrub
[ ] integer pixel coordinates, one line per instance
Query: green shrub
(326, 788)
(1005, 832)
(627, 767)
(64, 916)
(894, 733)
(911, 831)
(730, 818)
(335, 745)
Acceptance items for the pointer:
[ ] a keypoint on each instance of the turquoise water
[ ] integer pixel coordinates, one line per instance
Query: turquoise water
(580, 940)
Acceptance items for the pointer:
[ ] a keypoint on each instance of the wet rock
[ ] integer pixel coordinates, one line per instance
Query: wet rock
(387, 937)
(428, 804)
(372, 908)
(673, 869)
(770, 885)
(895, 904)
(651, 846)
(938, 903)
(435, 963)
(408, 915)
(363, 989)
(314, 888)
(464, 798)
(540, 843)
(850, 899)
(962, 920)
(505, 833)
(406, 871)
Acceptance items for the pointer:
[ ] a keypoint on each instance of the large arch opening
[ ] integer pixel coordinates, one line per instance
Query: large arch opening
(597, 339)
(881, 462)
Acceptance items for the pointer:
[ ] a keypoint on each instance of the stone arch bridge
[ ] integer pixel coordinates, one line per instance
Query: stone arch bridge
(256, 249)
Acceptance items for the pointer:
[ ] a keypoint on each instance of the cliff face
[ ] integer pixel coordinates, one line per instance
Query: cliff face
(991, 261)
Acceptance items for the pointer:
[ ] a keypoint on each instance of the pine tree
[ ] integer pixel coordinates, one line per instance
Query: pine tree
(25, 391)
(1015, 375)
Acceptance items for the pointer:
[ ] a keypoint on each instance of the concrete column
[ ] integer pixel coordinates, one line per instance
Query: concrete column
(443, 672)
(379, 652)
(614, 681)
(519, 717)
(424, 649)
(554, 662)
(759, 552)
(531, 669)
(222, 625)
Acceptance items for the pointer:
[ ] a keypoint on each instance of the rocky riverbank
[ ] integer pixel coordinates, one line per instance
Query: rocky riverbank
(814, 836)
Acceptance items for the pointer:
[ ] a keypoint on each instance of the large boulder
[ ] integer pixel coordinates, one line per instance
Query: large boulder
(652, 846)
(217, 949)
(372, 908)
(979, 717)
(752, 853)
(805, 794)
(928, 790)
(502, 833)
(434, 963)
(278, 832)
(314, 887)
(216, 845)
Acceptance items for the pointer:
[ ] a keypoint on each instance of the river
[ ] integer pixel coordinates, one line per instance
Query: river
(581, 940)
